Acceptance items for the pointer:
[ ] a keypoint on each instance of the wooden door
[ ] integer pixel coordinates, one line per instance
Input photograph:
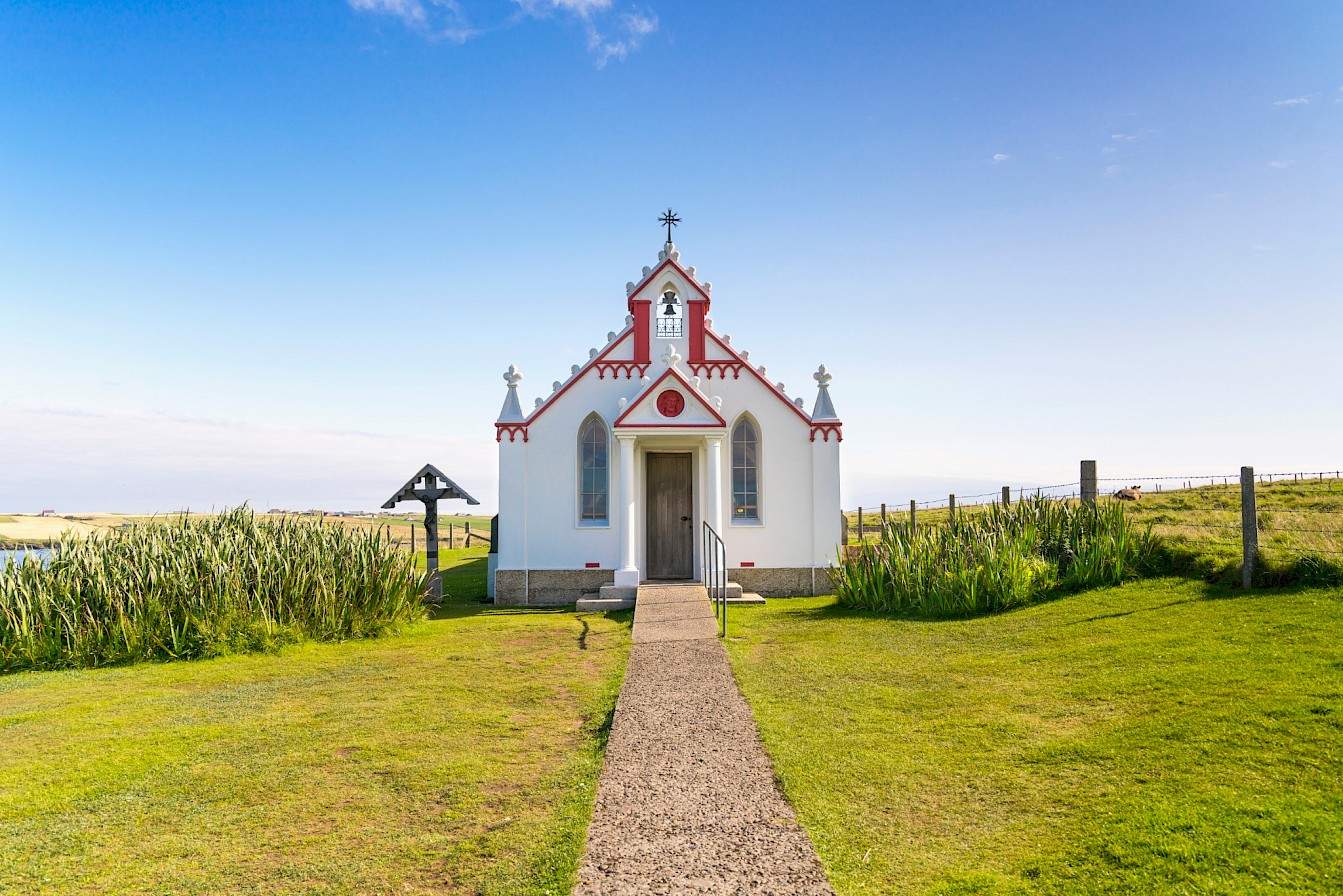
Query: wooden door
(670, 517)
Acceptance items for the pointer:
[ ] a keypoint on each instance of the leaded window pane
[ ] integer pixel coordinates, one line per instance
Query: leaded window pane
(593, 479)
(745, 472)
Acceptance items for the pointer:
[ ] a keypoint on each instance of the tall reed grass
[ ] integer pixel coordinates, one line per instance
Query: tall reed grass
(1000, 558)
(202, 586)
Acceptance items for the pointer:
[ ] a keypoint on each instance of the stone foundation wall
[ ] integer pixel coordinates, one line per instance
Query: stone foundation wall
(782, 581)
(557, 587)
(548, 587)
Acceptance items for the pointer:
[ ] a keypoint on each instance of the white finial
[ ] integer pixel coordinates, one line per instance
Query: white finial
(824, 408)
(690, 270)
(746, 356)
(718, 402)
(644, 380)
(555, 386)
(539, 401)
(647, 270)
(623, 401)
(708, 322)
(761, 369)
(662, 256)
(573, 369)
(629, 287)
(629, 319)
(592, 353)
(610, 335)
(694, 381)
(708, 287)
(799, 402)
(673, 254)
(779, 386)
(671, 357)
(727, 338)
(512, 410)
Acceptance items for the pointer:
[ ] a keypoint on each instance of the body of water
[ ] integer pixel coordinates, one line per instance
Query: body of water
(17, 556)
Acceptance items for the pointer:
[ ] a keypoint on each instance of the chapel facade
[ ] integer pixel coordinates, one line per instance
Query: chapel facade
(607, 482)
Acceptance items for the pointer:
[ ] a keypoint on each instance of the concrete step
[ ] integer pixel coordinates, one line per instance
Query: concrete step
(745, 597)
(610, 598)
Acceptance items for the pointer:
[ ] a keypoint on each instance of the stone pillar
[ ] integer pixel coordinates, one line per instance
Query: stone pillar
(627, 576)
(715, 476)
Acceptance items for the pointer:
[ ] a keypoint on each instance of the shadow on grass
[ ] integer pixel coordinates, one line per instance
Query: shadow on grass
(1207, 591)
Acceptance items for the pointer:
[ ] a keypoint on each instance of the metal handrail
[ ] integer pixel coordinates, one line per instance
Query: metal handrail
(714, 554)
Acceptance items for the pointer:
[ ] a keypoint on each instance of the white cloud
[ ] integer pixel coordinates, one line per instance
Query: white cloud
(1124, 138)
(1282, 163)
(1294, 101)
(608, 37)
(1112, 170)
(435, 19)
(610, 34)
(1000, 157)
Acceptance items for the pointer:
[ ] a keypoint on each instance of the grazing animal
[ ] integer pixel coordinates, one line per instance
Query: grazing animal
(1132, 493)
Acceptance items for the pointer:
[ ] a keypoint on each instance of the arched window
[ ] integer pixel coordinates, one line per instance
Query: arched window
(593, 472)
(745, 471)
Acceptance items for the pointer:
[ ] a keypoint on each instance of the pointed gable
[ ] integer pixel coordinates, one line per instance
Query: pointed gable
(670, 401)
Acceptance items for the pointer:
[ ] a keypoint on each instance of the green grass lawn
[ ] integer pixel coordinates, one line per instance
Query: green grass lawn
(460, 757)
(1163, 737)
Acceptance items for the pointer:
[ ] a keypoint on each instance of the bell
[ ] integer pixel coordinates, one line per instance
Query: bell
(670, 299)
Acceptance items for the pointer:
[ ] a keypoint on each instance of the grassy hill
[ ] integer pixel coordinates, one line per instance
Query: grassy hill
(1202, 524)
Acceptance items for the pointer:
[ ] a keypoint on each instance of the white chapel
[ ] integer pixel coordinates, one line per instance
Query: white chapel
(609, 480)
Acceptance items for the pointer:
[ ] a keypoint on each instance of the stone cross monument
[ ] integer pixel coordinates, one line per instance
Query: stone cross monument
(430, 486)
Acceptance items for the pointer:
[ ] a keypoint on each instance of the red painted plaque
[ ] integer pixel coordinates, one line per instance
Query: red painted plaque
(671, 403)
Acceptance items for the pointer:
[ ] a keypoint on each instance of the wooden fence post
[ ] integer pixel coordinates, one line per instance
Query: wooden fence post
(860, 525)
(883, 519)
(1088, 482)
(412, 538)
(467, 542)
(913, 515)
(951, 507)
(1007, 495)
(1249, 527)
(451, 541)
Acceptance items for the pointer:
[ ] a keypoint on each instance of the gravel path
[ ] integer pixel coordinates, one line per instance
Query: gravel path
(686, 802)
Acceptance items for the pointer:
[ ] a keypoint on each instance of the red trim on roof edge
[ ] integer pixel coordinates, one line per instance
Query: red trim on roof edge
(652, 275)
(575, 377)
(747, 364)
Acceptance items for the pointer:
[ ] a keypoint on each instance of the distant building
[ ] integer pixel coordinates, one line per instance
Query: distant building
(48, 513)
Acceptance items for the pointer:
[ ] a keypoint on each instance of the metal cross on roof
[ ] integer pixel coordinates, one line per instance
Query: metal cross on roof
(671, 219)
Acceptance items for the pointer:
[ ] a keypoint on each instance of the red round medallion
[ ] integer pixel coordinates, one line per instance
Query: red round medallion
(671, 403)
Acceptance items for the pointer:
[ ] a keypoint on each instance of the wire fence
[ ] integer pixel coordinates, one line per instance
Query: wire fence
(1297, 514)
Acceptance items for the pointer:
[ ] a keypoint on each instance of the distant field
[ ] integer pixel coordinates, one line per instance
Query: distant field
(24, 529)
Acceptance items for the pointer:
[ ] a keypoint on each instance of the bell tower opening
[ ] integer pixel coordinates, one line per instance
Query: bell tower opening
(671, 315)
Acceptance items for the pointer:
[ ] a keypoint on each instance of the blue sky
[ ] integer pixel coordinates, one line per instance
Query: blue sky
(283, 252)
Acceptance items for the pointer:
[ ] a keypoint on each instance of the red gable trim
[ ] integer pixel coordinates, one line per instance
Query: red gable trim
(694, 393)
(592, 362)
(652, 275)
(748, 366)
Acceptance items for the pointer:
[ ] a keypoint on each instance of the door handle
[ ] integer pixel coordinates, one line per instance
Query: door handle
(685, 519)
